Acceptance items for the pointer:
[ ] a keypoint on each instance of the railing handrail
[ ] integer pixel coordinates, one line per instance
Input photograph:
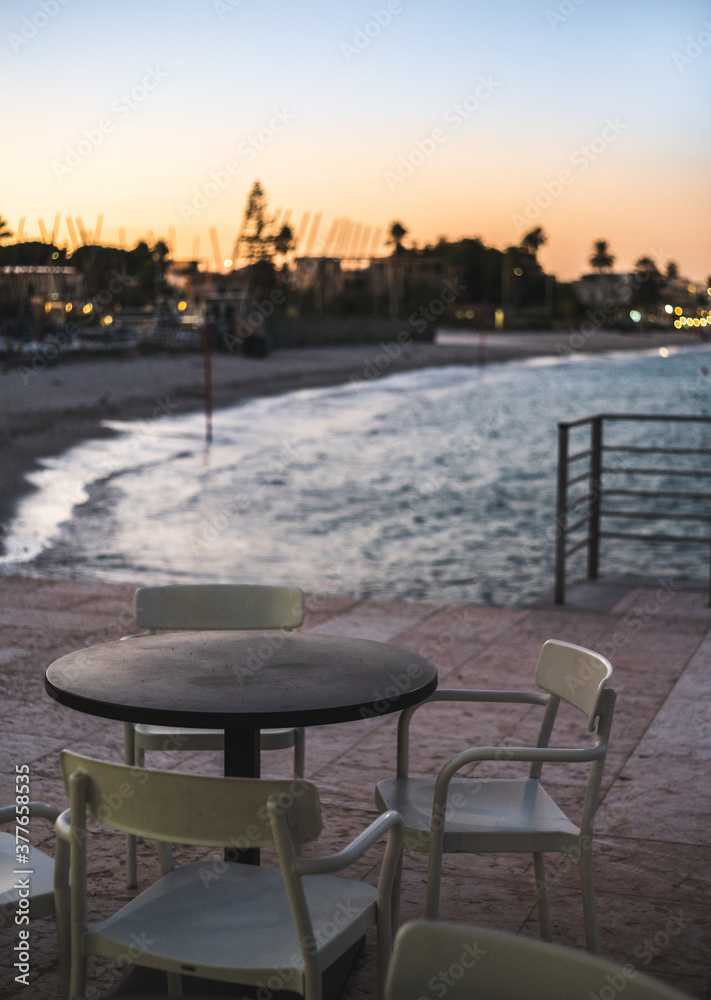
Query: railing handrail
(594, 497)
(669, 418)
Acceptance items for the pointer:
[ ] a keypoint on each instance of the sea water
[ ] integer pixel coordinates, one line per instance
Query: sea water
(437, 484)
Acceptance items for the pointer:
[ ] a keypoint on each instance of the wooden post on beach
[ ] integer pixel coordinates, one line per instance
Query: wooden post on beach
(481, 351)
(207, 366)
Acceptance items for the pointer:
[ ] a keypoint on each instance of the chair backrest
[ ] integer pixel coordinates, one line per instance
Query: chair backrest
(573, 674)
(218, 606)
(470, 963)
(187, 808)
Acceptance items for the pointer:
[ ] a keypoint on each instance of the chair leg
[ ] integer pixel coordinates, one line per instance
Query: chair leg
(544, 916)
(592, 933)
(175, 984)
(165, 856)
(62, 909)
(299, 752)
(397, 886)
(77, 976)
(313, 981)
(385, 931)
(129, 744)
(434, 878)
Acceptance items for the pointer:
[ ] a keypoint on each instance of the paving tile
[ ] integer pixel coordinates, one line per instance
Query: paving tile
(670, 804)
(19, 748)
(652, 843)
(320, 607)
(381, 621)
(665, 601)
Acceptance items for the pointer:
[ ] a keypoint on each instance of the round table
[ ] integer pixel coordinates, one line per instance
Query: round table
(241, 682)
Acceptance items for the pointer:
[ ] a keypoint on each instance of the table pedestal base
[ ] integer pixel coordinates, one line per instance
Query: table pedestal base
(242, 760)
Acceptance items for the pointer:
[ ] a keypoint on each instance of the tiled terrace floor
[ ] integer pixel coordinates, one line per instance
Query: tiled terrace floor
(653, 846)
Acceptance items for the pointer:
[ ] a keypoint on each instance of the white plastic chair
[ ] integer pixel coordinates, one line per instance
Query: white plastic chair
(38, 888)
(446, 814)
(211, 918)
(210, 606)
(467, 963)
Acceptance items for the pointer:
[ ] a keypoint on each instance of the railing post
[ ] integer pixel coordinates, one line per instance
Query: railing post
(595, 494)
(561, 514)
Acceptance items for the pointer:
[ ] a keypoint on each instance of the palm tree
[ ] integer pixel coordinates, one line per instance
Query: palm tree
(601, 258)
(397, 235)
(533, 241)
(5, 233)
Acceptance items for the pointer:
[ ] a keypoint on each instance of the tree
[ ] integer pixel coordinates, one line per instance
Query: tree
(283, 241)
(533, 241)
(254, 238)
(397, 234)
(648, 283)
(601, 258)
(5, 233)
(672, 271)
(476, 266)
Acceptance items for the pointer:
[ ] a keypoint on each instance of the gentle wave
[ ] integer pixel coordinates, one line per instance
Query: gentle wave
(435, 484)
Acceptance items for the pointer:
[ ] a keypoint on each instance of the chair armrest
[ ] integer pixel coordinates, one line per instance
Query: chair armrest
(389, 822)
(531, 754)
(454, 694)
(8, 813)
(62, 826)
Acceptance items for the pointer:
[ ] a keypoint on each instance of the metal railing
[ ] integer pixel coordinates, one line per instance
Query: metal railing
(603, 475)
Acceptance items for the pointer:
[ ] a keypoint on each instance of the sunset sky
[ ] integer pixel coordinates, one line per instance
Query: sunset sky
(589, 118)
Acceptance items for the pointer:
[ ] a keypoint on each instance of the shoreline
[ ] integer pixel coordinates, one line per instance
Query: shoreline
(45, 412)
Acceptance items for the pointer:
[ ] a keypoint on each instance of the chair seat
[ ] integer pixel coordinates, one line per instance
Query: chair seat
(483, 815)
(149, 737)
(243, 912)
(41, 881)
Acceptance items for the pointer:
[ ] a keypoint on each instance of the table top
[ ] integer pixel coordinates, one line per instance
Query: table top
(254, 680)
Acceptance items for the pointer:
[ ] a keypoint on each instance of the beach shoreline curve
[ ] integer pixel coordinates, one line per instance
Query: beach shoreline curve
(46, 411)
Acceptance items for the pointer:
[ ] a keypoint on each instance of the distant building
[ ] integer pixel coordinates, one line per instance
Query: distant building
(39, 293)
(606, 290)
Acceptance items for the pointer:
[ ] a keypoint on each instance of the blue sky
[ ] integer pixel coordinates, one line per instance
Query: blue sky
(590, 119)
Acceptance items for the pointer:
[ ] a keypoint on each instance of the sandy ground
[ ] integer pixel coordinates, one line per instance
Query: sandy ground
(46, 409)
